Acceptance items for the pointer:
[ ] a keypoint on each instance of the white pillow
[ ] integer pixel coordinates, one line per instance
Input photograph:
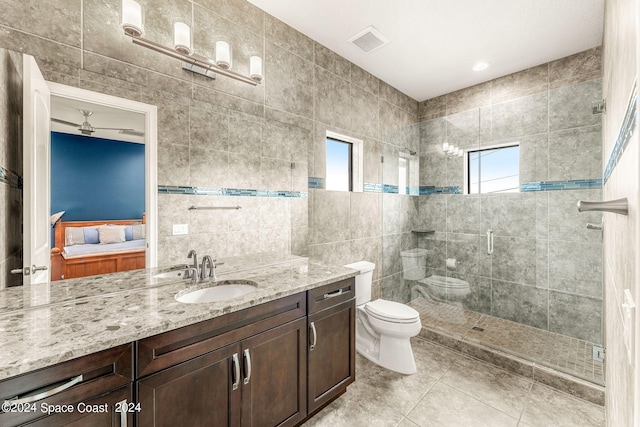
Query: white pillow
(111, 234)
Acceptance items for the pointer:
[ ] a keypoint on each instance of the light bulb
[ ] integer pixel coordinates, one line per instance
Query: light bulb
(255, 68)
(182, 38)
(223, 54)
(132, 18)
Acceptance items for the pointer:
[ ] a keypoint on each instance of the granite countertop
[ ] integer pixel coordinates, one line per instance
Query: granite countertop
(45, 324)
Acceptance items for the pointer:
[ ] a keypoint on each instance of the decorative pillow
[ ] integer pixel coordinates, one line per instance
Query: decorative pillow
(73, 236)
(91, 235)
(139, 232)
(128, 232)
(111, 234)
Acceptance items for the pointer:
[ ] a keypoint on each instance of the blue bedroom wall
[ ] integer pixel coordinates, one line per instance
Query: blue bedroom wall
(95, 179)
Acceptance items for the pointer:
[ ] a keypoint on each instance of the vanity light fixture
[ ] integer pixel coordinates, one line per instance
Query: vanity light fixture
(451, 150)
(133, 26)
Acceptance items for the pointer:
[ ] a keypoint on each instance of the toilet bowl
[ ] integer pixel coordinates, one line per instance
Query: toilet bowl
(414, 263)
(383, 328)
(446, 289)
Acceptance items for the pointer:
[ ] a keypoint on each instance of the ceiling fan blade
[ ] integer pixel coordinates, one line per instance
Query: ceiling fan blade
(131, 132)
(64, 122)
(125, 131)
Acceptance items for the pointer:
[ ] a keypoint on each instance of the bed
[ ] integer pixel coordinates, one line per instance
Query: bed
(88, 248)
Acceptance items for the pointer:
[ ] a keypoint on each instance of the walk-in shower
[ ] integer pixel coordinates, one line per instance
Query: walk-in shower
(516, 252)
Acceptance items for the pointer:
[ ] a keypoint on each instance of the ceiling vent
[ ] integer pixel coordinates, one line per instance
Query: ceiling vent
(369, 39)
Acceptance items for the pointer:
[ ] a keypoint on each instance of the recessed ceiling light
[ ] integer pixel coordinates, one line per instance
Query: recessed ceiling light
(481, 66)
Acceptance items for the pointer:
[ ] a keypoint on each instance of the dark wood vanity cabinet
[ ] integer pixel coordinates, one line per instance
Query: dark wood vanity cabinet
(331, 357)
(249, 369)
(273, 364)
(87, 391)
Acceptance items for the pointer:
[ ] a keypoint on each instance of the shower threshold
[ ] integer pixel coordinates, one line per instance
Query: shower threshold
(558, 361)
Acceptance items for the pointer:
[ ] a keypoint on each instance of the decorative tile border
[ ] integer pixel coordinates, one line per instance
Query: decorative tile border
(203, 191)
(572, 184)
(12, 179)
(315, 182)
(372, 187)
(630, 120)
(428, 189)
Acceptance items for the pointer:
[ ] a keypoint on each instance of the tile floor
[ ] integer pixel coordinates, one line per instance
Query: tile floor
(566, 354)
(451, 389)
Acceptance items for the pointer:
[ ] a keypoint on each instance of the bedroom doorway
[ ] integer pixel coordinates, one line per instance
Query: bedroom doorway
(106, 174)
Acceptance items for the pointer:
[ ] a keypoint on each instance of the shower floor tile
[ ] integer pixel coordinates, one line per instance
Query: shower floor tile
(565, 354)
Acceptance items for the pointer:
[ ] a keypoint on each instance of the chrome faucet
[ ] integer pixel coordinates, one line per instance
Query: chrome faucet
(194, 255)
(207, 260)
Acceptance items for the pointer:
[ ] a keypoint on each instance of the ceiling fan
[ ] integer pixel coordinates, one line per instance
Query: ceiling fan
(86, 129)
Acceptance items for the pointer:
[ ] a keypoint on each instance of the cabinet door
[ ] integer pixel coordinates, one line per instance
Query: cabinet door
(203, 391)
(275, 381)
(331, 353)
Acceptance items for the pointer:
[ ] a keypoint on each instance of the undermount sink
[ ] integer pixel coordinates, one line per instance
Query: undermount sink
(218, 291)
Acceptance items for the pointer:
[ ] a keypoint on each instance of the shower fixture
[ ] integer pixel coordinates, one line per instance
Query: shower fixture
(619, 206)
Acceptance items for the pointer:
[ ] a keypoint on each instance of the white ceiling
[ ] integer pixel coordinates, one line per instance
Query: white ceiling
(435, 43)
(68, 109)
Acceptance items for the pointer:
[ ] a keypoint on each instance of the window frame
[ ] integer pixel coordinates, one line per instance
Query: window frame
(356, 163)
(467, 152)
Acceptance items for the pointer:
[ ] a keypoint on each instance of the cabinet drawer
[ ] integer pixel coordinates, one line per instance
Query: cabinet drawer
(66, 383)
(331, 294)
(170, 348)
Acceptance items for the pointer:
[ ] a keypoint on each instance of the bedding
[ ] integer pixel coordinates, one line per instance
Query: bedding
(75, 251)
(87, 248)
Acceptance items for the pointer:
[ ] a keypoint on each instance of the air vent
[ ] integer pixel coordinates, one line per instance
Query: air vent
(369, 39)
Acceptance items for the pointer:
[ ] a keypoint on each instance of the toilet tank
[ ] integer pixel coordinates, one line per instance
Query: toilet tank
(363, 280)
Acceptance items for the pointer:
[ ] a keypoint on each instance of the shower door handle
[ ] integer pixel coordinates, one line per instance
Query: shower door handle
(489, 242)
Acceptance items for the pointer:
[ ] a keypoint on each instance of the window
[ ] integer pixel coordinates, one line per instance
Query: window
(339, 155)
(493, 170)
(344, 159)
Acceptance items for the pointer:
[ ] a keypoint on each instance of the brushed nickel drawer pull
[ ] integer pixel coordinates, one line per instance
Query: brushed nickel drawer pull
(34, 398)
(315, 336)
(333, 294)
(123, 414)
(247, 357)
(236, 368)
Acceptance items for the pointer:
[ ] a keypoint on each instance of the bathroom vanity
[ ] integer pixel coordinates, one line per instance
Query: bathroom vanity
(272, 357)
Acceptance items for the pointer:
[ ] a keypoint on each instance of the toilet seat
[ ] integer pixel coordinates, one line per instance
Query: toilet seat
(390, 311)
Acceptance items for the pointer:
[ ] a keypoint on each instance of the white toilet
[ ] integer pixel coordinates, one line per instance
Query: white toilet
(383, 328)
(414, 263)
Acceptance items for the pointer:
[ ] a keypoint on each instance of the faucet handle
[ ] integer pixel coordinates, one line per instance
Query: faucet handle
(192, 273)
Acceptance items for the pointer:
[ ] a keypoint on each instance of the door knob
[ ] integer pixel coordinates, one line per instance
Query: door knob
(26, 271)
(35, 268)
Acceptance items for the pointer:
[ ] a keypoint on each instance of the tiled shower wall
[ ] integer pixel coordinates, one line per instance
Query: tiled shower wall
(546, 269)
(10, 167)
(218, 138)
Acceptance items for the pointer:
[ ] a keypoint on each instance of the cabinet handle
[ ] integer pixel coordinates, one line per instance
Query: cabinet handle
(315, 336)
(247, 357)
(123, 414)
(48, 393)
(333, 294)
(236, 367)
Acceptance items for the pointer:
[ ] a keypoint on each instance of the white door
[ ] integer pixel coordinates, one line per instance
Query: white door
(36, 128)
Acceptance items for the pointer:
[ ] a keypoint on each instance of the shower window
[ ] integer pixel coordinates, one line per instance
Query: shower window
(493, 170)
